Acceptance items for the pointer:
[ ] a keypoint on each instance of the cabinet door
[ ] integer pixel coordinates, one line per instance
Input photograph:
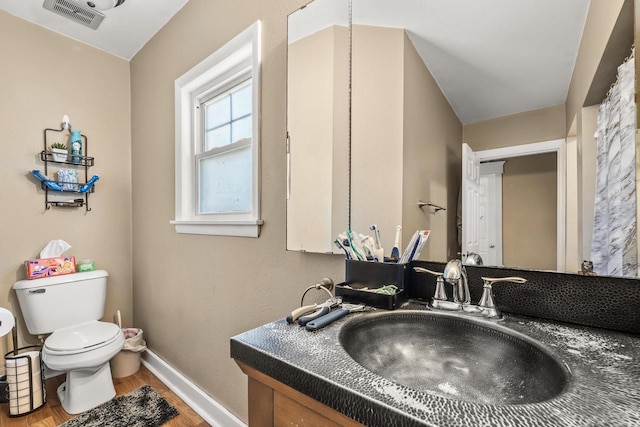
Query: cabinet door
(287, 412)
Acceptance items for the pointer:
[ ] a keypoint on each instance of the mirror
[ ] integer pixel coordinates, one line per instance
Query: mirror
(318, 125)
(417, 154)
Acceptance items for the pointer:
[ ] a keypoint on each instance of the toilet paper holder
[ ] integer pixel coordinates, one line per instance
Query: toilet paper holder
(24, 385)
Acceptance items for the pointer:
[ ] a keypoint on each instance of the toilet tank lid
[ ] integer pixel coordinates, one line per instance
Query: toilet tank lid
(56, 280)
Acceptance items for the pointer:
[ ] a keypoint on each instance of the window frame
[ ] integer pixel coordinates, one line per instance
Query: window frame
(236, 61)
(229, 88)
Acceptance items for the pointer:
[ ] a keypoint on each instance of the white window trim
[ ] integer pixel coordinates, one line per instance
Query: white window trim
(238, 55)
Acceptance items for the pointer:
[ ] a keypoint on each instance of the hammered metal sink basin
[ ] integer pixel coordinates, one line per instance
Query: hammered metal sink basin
(454, 357)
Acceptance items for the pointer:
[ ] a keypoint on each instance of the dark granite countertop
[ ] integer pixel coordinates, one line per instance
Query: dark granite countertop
(604, 388)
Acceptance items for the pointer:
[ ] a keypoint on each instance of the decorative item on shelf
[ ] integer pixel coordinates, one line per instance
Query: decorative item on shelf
(59, 152)
(76, 146)
(68, 179)
(85, 265)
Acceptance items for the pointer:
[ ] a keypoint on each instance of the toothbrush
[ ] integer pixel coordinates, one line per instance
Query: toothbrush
(353, 246)
(409, 250)
(422, 240)
(379, 255)
(339, 245)
(368, 245)
(345, 243)
(395, 252)
(415, 246)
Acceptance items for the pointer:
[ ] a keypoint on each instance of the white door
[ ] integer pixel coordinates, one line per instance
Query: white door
(490, 219)
(470, 200)
(484, 223)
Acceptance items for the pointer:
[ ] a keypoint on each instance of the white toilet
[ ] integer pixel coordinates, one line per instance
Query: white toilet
(69, 307)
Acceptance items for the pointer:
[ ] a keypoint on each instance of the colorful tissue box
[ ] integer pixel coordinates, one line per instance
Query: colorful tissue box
(46, 267)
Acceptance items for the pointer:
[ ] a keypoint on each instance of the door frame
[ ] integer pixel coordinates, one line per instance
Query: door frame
(557, 146)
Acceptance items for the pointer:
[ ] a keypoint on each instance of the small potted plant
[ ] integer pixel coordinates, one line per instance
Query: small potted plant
(59, 152)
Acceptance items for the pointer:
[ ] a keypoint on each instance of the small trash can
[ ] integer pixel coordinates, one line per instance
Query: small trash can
(127, 361)
(25, 380)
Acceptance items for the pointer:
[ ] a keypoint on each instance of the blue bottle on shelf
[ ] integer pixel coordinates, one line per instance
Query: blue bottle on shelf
(76, 147)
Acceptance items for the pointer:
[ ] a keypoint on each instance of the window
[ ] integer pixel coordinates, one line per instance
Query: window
(217, 141)
(223, 156)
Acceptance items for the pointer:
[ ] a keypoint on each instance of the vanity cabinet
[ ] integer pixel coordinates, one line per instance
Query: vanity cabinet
(274, 404)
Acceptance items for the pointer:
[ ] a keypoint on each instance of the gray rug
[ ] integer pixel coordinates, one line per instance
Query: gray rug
(143, 407)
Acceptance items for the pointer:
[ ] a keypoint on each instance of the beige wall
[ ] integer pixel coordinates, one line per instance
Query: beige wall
(42, 77)
(341, 132)
(377, 131)
(600, 22)
(529, 224)
(192, 293)
(405, 142)
(431, 159)
(545, 124)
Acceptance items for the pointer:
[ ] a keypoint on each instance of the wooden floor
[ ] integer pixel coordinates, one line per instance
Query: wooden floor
(52, 414)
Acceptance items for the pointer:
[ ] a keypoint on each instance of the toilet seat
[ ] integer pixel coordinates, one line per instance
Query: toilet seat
(81, 338)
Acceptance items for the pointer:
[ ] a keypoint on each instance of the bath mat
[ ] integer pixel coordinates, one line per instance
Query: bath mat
(143, 407)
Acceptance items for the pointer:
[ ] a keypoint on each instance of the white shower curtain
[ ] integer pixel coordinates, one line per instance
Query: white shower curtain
(614, 250)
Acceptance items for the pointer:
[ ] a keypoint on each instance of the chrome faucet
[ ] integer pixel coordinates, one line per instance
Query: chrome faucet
(456, 275)
(486, 303)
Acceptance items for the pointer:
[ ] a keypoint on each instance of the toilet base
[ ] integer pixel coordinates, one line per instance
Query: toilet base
(85, 389)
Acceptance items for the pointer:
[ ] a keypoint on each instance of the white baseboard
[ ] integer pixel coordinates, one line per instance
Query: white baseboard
(209, 409)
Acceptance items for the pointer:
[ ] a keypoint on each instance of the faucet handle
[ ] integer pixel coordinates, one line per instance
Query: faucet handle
(491, 280)
(439, 299)
(487, 304)
(426, 270)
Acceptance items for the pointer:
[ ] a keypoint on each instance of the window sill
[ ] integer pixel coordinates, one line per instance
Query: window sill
(219, 228)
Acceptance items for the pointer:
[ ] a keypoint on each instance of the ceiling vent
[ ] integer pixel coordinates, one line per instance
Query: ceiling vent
(76, 11)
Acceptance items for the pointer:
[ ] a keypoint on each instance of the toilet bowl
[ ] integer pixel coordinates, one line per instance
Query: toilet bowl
(83, 352)
(69, 307)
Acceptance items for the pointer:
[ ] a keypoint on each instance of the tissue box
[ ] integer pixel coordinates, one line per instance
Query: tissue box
(46, 267)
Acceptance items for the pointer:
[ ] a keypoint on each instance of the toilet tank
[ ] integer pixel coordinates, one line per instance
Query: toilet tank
(55, 302)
